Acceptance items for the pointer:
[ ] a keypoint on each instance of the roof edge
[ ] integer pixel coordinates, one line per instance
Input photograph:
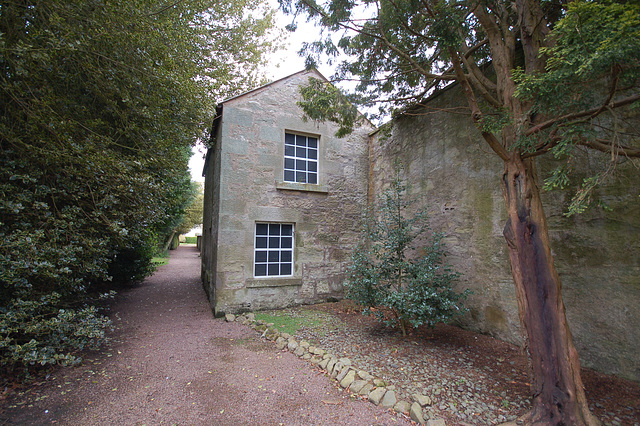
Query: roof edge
(313, 70)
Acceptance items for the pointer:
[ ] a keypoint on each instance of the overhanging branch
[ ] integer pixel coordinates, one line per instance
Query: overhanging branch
(607, 146)
(476, 113)
(593, 112)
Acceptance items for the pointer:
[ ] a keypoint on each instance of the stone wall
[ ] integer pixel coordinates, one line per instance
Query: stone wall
(455, 175)
(247, 173)
(211, 214)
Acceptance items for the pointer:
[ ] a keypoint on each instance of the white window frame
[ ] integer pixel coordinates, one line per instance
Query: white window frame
(298, 158)
(270, 247)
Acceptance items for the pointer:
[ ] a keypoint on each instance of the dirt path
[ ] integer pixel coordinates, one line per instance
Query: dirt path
(171, 362)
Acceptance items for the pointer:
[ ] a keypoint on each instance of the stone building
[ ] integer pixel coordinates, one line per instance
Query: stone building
(256, 195)
(283, 198)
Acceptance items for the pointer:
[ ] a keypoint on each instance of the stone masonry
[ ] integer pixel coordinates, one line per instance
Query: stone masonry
(244, 186)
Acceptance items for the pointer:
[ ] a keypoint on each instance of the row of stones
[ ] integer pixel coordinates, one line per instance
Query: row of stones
(356, 381)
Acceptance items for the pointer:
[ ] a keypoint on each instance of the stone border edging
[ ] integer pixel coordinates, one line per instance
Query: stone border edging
(350, 378)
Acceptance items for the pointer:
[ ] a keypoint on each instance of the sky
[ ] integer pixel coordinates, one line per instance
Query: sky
(281, 64)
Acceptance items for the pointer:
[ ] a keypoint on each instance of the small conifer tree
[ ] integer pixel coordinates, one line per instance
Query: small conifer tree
(399, 269)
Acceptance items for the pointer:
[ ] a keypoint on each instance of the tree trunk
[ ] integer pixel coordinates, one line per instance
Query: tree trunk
(558, 394)
(167, 244)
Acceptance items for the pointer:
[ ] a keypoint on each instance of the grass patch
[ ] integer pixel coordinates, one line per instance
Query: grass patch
(290, 322)
(190, 240)
(159, 261)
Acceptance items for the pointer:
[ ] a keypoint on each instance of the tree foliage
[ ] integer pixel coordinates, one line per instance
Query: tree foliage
(593, 67)
(399, 267)
(193, 212)
(568, 83)
(100, 104)
(539, 77)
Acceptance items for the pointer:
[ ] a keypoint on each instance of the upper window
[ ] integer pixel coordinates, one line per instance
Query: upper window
(300, 158)
(273, 254)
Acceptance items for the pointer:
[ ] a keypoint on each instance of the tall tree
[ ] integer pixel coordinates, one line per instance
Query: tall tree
(100, 103)
(539, 76)
(194, 211)
(191, 217)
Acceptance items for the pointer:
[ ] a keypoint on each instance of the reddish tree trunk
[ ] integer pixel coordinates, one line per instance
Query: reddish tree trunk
(558, 394)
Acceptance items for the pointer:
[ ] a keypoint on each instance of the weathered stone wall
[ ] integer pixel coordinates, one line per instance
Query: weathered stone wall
(211, 215)
(453, 172)
(251, 189)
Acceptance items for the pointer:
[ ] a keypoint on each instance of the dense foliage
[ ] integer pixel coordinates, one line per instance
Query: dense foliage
(591, 84)
(398, 271)
(100, 103)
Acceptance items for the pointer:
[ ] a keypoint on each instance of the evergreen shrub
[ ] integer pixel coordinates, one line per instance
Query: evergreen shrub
(398, 271)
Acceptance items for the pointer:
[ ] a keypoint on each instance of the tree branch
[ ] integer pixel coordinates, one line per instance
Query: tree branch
(475, 69)
(476, 113)
(481, 83)
(382, 38)
(608, 146)
(164, 9)
(409, 29)
(591, 113)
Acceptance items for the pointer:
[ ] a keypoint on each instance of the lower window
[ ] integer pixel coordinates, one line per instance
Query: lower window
(273, 252)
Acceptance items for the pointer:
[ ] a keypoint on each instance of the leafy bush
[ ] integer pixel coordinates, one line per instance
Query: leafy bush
(398, 271)
(37, 333)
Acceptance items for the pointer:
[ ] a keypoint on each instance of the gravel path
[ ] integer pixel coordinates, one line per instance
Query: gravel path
(171, 362)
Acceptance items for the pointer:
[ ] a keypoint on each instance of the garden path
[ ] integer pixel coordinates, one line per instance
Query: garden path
(171, 362)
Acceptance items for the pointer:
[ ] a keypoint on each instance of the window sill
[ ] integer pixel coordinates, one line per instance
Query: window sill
(307, 187)
(273, 282)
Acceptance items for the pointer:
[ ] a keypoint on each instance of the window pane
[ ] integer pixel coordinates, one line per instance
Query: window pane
(285, 269)
(312, 154)
(301, 152)
(289, 163)
(287, 242)
(261, 256)
(274, 242)
(289, 176)
(261, 242)
(289, 138)
(273, 269)
(274, 256)
(312, 142)
(301, 177)
(261, 270)
(289, 150)
(287, 229)
(301, 140)
(261, 229)
(312, 166)
(274, 229)
(301, 165)
(285, 256)
(313, 178)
